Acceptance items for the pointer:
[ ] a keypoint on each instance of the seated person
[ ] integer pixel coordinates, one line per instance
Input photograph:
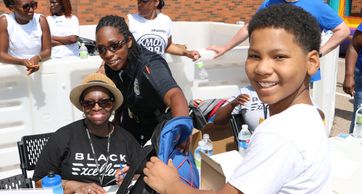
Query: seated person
(64, 29)
(24, 35)
(87, 152)
(246, 103)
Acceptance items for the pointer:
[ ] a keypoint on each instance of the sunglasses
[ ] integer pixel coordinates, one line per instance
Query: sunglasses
(105, 103)
(143, 1)
(113, 47)
(27, 6)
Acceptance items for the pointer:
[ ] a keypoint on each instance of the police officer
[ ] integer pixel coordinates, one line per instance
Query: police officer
(143, 77)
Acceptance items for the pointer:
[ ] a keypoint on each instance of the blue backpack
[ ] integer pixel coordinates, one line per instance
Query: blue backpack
(167, 135)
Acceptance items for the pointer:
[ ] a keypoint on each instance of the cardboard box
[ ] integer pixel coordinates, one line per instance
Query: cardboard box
(195, 138)
(215, 170)
(222, 137)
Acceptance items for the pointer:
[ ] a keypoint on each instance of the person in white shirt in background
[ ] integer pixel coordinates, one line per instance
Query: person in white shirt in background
(153, 30)
(64, 29)
(246, 103)
(24, 35)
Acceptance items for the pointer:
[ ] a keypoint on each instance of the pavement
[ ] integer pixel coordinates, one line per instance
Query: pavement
(344, 104)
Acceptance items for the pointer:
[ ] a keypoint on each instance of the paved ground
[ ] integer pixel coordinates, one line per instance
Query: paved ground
(344, 105)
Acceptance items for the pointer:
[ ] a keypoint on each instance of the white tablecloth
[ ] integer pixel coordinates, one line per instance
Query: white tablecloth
(346, 155)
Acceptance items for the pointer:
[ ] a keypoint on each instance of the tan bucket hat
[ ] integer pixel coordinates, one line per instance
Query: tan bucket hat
(96, 79)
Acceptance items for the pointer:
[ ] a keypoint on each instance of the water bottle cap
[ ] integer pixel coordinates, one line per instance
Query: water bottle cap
(51, 180)
(244, 126)
(199, 64)
(82, 44)
(206, 136)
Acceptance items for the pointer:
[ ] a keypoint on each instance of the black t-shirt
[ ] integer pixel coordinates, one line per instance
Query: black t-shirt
(68, 153)
(143, 83)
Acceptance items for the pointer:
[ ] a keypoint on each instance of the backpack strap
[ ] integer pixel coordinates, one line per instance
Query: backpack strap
(123, 188)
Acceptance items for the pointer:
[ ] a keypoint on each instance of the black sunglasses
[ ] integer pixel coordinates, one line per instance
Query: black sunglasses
(104, 103)
(27, 6)
(143, 1)
(113, 47)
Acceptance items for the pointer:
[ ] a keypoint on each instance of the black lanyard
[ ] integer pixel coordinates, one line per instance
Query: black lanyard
(100, 176)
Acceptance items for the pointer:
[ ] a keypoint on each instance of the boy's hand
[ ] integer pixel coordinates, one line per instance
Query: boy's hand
(240, 100)
(160, 176)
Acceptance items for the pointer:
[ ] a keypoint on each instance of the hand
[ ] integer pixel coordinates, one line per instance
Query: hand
(160, 176)
(220, 50)
(194, 55)
(184, 147)
(101, 68)
(89, 188)
(31, 67)
(240, 100)
(120, 174)
(348, 85)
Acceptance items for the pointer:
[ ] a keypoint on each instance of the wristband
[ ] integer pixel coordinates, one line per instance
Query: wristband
(39, 57)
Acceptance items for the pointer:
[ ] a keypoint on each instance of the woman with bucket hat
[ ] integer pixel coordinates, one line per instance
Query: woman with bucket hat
(87, 152)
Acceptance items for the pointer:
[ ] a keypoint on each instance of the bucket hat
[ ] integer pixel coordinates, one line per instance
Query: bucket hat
(96, 79)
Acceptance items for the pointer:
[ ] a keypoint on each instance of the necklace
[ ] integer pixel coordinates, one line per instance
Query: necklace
(100, 176)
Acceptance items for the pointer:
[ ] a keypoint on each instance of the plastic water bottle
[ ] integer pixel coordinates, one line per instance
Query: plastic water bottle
(201, 71)
(357, 130)
(197, 155)
(53, 181)
(83, 51)
(244, 139)
(208, 148)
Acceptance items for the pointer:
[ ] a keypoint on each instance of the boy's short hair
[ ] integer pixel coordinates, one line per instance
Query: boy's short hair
(292, 19)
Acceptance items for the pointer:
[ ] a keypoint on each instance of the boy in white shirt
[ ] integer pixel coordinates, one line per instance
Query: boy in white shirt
(288, 153)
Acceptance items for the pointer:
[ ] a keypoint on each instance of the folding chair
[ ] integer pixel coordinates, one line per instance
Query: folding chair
(235, 122)
(30, 148)
(15, 182)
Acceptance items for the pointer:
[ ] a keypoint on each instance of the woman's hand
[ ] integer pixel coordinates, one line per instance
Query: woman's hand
(83, 188)
(31, 65)
(120, 174)
(184, 147)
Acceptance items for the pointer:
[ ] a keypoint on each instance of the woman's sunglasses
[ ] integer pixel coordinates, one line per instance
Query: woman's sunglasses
(27, 6)
(113, 47)
(104, 103)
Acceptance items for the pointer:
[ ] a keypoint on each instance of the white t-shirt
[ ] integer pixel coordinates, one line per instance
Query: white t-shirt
(63, 26)
(24, 40)
(253, 111)
(288, 154)
(151, 34)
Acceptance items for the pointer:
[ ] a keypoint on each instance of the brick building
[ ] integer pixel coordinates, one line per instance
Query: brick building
(228, 11)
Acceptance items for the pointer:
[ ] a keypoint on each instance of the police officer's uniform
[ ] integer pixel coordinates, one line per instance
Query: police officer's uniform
(143, 83)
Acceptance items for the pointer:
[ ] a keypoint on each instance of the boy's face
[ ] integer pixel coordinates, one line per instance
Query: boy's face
(277, 68)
